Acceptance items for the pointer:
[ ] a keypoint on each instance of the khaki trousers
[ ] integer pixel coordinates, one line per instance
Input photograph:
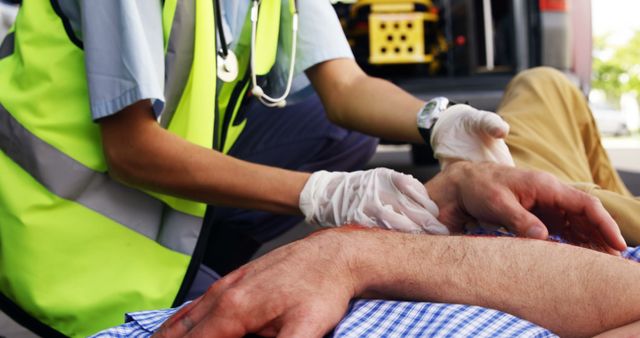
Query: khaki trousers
(553, 130)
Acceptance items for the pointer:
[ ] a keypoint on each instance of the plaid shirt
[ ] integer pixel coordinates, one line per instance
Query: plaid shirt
(382, 318)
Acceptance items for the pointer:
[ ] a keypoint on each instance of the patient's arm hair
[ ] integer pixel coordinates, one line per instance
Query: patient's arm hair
(570, 290)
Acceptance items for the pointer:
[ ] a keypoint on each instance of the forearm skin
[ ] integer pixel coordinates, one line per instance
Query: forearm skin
(367, 104)
(569, 290)
(141, 153)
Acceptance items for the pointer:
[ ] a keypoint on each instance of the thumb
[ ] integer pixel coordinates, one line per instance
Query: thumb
(415, 191)
(493, 125)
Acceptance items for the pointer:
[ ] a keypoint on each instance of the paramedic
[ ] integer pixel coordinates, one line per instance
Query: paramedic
(125, 196)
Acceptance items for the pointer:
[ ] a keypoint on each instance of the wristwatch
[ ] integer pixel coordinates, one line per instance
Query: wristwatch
(429, 114)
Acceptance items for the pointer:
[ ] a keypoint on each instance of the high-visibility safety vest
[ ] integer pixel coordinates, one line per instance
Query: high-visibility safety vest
(77, 248)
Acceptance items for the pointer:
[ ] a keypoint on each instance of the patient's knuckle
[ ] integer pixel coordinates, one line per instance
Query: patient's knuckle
(496, 197)
(592, 199)
(187, 322)
(220, 284)
(232, 298)
(543, 178)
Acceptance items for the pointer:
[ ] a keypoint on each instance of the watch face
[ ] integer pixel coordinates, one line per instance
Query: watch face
(425, 113)
(429, 112)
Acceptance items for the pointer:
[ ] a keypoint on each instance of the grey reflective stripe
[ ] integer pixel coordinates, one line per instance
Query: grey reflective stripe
(71, 180)
(180, 231)
(179, 58)
(7, 46)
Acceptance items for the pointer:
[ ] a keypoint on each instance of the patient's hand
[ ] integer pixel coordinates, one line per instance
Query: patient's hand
(522, 201)
(300, 290)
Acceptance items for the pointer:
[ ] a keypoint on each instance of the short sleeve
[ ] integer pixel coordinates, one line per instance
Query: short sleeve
(320, 39)
(124, 54)
(320, 35)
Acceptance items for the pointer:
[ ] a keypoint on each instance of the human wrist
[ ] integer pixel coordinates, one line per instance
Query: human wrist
(356, 251)
(392, 265)
(281, 190)
(448, 181)
(344, 244)
(446, 191)
(428, 114)
(370, 264)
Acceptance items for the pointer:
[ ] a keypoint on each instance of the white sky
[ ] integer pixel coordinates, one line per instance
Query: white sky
(620, 18)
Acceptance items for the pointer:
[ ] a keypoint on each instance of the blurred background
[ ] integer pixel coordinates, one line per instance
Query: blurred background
(468, 50)
(616, 70)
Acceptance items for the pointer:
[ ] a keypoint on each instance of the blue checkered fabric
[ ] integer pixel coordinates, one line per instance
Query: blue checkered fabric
(382, 318)
(139, 324)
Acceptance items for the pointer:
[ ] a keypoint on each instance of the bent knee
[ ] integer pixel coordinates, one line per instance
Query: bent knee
(542, 74)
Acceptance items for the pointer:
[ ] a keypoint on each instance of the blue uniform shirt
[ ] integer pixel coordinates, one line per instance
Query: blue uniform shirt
(124, 51)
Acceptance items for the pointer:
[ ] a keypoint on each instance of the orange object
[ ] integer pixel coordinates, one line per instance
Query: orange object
(554, 5)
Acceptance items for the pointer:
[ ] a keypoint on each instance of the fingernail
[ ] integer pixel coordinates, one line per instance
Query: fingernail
(535, 232)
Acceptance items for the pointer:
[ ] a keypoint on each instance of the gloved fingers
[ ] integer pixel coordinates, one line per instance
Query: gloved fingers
(410, 200)
(389, 218)
(420, 216)
(432, 226)
(502, 154)
(492, 124)
(376, 198)
(415, 191)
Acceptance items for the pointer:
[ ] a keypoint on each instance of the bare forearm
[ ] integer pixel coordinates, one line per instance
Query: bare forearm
(171, 165)
(206, 175)
(366, 104)
(382, 109)
(569, 290)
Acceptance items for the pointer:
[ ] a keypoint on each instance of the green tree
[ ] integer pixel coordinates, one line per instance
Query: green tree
(617, 70)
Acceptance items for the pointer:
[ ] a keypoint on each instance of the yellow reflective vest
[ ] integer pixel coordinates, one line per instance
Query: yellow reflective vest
(77, 248)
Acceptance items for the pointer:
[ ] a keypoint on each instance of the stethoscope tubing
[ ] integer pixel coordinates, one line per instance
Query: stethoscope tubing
(256, 90)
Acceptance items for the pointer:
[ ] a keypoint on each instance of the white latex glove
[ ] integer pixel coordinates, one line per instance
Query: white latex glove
(374, 198)
(465, 133)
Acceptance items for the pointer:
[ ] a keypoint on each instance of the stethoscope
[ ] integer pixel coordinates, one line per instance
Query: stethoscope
(227, 62)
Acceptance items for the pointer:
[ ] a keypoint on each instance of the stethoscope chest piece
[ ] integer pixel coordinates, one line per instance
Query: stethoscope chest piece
(227, 67)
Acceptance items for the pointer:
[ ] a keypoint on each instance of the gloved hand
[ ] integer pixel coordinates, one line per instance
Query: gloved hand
(465, 133)
(375, 198)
